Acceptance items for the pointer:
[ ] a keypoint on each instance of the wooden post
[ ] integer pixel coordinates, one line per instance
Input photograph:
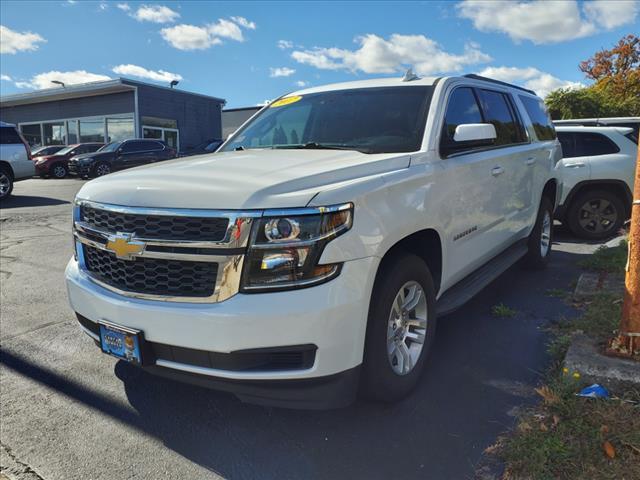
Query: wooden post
(628, 341)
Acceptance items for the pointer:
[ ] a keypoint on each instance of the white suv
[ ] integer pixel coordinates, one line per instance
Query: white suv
(598, 172)
(15, 159)
(311, 255)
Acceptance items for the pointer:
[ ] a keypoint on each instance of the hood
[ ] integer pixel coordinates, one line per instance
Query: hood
(50, 157)
(251, 179)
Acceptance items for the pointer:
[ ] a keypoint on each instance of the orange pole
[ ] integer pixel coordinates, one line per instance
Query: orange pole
(628, 341)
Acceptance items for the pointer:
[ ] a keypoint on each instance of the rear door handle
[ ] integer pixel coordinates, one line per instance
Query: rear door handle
(497, 171)
(530, 161)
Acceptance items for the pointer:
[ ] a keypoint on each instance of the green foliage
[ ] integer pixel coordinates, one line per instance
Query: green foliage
(590, 102)
(501, 310)
(610, 260)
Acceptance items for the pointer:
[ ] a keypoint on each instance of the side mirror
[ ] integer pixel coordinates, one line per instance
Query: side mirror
(475, 134)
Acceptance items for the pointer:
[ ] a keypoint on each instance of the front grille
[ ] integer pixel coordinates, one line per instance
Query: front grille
(152, 276)
(157, 227)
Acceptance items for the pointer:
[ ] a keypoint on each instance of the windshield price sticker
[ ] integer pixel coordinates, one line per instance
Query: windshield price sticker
(286, 101)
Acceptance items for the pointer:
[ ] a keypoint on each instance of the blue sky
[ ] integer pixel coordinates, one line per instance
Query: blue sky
(249, 52)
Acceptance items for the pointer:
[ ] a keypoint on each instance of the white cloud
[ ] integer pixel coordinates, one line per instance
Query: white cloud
(547, 22)
(192, 37)
(124, 7)
(6, 78)
(243, 22)
(12, 42)
(529, 77)
(611, 13)
(285, 44)
(377, 55)
(281, 72)
(43, 80)
(301, 83)
(141, 72)
(155, 14)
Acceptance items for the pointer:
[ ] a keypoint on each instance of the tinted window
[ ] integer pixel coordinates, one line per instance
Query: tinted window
(497, 111)
(141, 146)
(370, 120)
(8, 135)
(462, 108)
(593, 144)
(568, 144)
(539, 117)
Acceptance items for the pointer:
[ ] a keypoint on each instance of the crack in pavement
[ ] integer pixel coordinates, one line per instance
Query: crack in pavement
(35, 329)
(17, 468)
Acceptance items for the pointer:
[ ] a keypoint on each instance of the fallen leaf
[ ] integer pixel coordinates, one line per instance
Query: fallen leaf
(544, 428)
(524, 427)
(548, 395)
(556, 420)
(609, 450)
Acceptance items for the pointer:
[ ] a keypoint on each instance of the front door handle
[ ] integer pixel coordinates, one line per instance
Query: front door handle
(574, 165)
(497, 171)
(530, 161)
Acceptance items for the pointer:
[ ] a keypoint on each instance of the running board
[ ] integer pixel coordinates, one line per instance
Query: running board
(471, 285)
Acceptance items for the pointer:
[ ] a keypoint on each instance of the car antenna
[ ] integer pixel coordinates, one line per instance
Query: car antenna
(409, 76)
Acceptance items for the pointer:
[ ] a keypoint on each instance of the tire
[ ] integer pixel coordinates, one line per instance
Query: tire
(101, 169)
(595, 214)
(6, 183)
(383, 377)
(540, 241)
(58, 170)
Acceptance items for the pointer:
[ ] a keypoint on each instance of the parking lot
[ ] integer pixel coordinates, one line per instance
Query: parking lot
(70, 412)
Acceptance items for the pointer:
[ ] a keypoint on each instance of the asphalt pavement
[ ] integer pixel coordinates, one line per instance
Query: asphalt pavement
(70, 412)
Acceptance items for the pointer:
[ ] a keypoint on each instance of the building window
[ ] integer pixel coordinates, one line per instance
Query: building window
(32, 134)
(169, 135)
(159, 122)
(54, 133)
(91, 130)
(72, 132)
(119, 129)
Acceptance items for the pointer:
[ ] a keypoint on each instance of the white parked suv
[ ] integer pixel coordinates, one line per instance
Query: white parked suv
(597, 170)
(311, 255)
(15, 159)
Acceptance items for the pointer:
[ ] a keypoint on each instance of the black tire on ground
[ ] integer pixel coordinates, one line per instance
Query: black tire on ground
(379, 381)
(58, 170)
(540, 242)
(595, 214)
(6, 182)
(100, 169)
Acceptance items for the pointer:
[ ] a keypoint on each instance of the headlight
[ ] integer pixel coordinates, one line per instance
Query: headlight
(286, 246)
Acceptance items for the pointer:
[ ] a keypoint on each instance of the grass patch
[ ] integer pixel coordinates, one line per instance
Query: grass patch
(610, 260)
(570, 437)
(557, 293)
(502, 311)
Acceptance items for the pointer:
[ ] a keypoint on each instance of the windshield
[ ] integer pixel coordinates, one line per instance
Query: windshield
(370, 120)
(110, 147)
(65, 150)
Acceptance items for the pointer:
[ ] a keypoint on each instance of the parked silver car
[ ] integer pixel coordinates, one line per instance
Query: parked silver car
(15, 159)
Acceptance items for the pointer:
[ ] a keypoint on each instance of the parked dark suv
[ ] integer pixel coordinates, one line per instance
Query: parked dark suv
(56, 165)
(118, 156)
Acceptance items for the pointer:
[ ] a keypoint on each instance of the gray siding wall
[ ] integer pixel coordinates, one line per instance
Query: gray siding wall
(199, 118)
(73, 108)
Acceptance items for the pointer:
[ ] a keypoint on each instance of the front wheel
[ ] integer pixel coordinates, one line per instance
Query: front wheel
(541, 238)
(59, 170)
(401, 328)
(101, 169)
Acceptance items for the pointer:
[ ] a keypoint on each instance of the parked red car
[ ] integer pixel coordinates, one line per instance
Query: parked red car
(57, 165)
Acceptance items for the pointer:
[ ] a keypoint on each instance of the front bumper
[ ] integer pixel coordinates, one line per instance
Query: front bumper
(332, 317)
(80, 170)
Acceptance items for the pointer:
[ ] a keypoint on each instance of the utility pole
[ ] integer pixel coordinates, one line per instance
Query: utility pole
(627, 343)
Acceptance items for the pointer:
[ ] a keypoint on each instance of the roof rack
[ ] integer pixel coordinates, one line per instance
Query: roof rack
(487, 79)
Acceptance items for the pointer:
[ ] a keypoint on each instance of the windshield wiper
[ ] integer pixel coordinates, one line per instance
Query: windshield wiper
(321, 146)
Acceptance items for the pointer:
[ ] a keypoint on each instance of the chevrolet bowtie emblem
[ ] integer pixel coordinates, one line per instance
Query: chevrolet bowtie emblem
(124, 246)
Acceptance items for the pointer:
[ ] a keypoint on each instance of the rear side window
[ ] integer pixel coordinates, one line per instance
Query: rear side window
(589, 144)
(568, 144)
(540, 118)
(141, 146)
(498, 111)
(9, 136)
(462, 108)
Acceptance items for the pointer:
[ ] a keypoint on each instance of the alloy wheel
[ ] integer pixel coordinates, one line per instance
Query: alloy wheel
(545, 240)
(59, 171)
(5, 184)
(103, 169)
(597, 215)
(407, 328)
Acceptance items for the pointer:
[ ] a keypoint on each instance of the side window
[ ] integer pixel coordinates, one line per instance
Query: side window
(92, 148)
(8, 136)
(462, 108)
(590, 144)
(498, 111)
(129, 147)
(149, 145)
(540, 118)
(568, 144)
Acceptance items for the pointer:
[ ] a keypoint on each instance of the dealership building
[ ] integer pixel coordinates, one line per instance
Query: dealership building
(113, 110)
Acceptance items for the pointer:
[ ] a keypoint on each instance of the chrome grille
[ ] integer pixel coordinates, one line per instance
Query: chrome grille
(201, 229)
(151, 275)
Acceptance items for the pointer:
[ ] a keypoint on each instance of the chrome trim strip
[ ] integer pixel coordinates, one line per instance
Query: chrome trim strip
(284, 212)
(232, 374)
(172, 212)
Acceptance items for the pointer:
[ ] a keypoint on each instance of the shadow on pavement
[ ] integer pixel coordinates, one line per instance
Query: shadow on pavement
(481, 367)
(16, 201)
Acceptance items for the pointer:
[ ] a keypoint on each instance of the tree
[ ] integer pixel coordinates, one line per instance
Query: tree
(616, 88)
